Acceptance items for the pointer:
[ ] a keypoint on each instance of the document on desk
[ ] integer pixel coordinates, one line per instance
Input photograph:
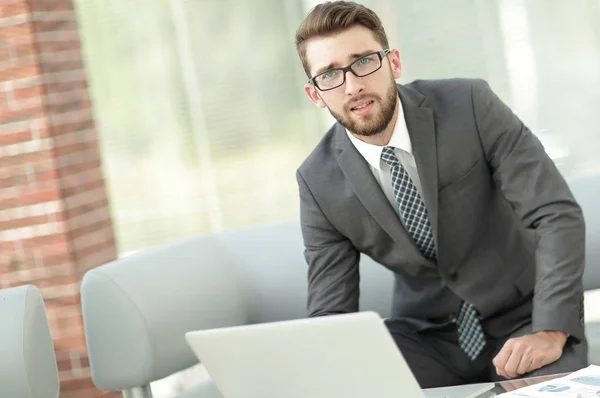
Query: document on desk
(584, 383)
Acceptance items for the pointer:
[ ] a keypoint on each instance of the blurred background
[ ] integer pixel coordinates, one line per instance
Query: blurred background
(128, 124)
(202, 119)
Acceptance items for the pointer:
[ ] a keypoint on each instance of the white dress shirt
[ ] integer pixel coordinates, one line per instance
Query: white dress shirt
(400, 141)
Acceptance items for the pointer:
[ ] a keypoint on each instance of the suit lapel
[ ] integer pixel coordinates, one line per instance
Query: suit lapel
(421, 129)
(358, 173)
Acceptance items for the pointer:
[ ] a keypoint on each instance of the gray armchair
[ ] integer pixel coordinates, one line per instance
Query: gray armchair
(28, 366)
(586, 188)
(137, 309)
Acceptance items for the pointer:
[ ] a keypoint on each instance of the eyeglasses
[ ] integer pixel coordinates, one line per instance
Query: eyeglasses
(364, 66)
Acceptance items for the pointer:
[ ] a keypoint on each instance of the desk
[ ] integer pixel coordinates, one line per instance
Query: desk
(511, 385)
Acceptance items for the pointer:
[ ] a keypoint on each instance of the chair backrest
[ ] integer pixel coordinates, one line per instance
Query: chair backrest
(28, 366)
(270, 260)
(586, 189)
(137, 309)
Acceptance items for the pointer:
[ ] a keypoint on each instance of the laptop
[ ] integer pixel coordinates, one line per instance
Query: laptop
(348, 355)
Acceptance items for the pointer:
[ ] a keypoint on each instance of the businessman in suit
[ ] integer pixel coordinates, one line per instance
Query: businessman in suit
(441, 183)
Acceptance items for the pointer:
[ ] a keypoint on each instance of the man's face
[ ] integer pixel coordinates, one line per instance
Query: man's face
(363, 105)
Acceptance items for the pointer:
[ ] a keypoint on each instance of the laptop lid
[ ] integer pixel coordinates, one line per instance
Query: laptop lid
(349, 355)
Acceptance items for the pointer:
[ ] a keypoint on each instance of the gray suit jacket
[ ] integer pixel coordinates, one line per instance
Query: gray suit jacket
(510, 236)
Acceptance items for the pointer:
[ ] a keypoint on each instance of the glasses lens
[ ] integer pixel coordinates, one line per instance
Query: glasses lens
(366, 65)
(329, 79)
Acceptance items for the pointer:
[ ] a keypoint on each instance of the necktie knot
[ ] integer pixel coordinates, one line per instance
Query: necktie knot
(388, 156)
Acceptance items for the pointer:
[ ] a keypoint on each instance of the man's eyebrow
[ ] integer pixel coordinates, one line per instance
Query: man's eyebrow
(352, 57)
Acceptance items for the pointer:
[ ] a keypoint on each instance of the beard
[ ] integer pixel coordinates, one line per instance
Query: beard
(371, 124)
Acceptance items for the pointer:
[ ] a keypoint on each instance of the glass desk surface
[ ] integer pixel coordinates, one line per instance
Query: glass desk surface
(511, 385)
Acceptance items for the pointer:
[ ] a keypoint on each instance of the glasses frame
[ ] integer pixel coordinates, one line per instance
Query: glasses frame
(381, 54)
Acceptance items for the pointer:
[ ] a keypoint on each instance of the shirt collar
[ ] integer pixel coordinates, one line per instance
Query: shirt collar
(399, 139)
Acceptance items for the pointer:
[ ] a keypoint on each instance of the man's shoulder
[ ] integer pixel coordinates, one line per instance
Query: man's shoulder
(446, 88)
(323, 152)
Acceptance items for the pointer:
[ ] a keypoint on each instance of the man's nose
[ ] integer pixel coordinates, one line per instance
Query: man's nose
(354, 84)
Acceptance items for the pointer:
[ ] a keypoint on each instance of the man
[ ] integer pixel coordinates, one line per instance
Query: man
(441, 183)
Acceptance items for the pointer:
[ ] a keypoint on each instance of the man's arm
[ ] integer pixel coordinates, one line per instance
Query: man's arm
(333, 273)
(531, 183)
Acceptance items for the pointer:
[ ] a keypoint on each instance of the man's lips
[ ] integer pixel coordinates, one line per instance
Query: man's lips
(361, 105)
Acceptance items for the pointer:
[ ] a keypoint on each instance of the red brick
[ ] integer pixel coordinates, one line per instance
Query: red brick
(17, 31)
(23, 48)
(57, 310)
(76, 384)
(56, 25)
(90, 164)
(53, 67)
(102, 247)
(63, 364)
(5, 53)
(26, 158)
(42, 176)
(48, 271)
(8, 138)
(87, 393)
(57, 260)
(19, 72)
(70, 323)
(58, 248)
(41, 196)
(9, 182)
(50, 5)
(69, 127)
(71, 149)
(27, 92)
(14, 8)
(65, 104)
(77, 189)
(108, 394)
(16, 115)
(59, 45)
(66, 86)
(72, 342)
(69, 166)
(72, 299)
(88, 229)
(57, 282)
(39, 241)
(101, 201)
(23, 222)
(6, 247)
(76, 137)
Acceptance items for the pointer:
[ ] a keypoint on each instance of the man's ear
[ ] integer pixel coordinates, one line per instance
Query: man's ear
(314, 96)
(394, 57)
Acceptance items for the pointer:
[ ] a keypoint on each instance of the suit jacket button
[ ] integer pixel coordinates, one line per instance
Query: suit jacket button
(453, 276)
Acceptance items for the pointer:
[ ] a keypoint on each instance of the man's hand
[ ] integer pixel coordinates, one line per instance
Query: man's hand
(524, 354)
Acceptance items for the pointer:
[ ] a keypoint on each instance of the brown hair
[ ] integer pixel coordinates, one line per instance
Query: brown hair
(333, 17)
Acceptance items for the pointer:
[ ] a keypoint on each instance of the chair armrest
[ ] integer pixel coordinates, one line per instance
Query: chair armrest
(27, 360)
(136, 310)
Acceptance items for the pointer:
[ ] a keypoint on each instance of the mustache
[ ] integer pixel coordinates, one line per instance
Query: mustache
(350, 104)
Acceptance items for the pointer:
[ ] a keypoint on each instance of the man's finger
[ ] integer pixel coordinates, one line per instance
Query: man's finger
(500, 372)
(525, 364)
(513, 362)
(537, 363)
(502, 357)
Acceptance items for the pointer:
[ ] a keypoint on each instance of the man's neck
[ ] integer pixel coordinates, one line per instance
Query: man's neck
(382, 138)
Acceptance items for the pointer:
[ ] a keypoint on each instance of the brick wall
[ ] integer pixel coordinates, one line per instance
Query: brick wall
(54, 216)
